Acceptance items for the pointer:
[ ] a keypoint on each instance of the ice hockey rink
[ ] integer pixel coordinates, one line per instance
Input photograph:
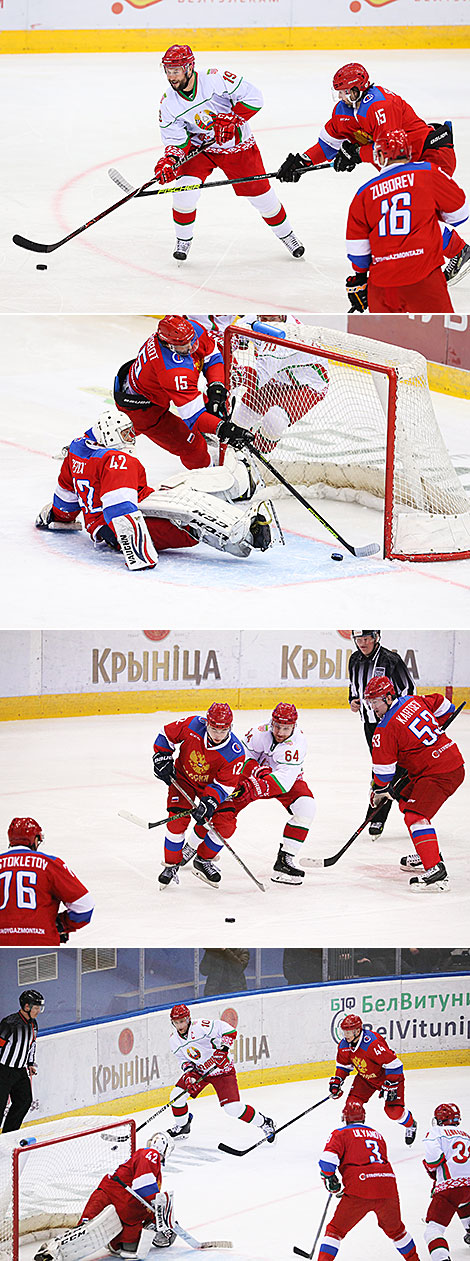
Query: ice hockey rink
(57, 374)
(273, 1198)
(74, 774)
(72, 117)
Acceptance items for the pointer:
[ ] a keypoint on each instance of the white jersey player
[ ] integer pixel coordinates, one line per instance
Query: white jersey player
(204, 124)
(447, 1161)
(275, 757)
(201, 1049)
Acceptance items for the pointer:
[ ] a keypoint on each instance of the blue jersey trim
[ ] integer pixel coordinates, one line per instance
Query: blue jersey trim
(118, 510)
(372, 95)
(394, 709)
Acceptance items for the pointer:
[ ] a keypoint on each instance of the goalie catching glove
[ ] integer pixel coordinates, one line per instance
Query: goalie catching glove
(292, 168)
(332, 1184)
(356, 289)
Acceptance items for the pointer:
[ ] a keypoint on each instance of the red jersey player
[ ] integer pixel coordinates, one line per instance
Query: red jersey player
(103, 480)
(32, 888)
(275, 752)
(362, 113)
(201, 1049)
(208, 765)
(377, 1068)
(167, 371)
(204, 124)
(393, 232)
(359, 1154)
(113, 1217)
(447, 1161)
(408, 734)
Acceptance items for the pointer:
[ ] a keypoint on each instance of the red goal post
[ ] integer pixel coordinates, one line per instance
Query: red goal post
(349, 417)
(45, 1185)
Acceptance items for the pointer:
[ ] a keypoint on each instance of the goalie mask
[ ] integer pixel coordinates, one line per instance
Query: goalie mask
(113, 429)
(163, 1144)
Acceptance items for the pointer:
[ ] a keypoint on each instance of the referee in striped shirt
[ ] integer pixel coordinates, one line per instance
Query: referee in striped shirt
(368, 662)
(18, 1034)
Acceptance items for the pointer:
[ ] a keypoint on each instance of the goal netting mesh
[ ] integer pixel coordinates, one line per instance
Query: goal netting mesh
(45, 1186)
(347, 416)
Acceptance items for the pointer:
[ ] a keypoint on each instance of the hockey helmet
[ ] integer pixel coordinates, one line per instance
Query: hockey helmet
(25, 832)
(175, 331)
(113, 429)
(178, 57)
(446, 1114)
(353, 1112)
(163, 1144)
(353, 75)
(283, 712)
(380, 686)
(219, 715)
(31, 998)
(351, 1022)
(390, 145)
(180, 1012)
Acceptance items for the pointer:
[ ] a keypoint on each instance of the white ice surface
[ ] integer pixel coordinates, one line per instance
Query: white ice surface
(74, 774)
(273, 1198)
(57, 373)
(71, 117)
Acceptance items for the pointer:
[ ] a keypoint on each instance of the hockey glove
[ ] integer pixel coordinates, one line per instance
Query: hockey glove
(163, 766)
(191, 1083)
(61, 929)
(217, 400)
(335, 1086)
(260, 532)
(347, 157)
(390, 1090)
(225, 127)
(378, 797)
(255, 786)
(167, 166)
(356, 289)
(233, 434)
(441, 137)
(204, 810)
(292, 168)
(332, 1184)
(220, 1057)
(432, 1173)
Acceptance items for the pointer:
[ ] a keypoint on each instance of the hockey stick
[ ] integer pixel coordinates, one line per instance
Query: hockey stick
(122, 1138)
(144, 191)
(234, 1151)
(142, 823)
(299, 1251)
(215, 836)
(400, 783)
(370, 549)
(175, 1226)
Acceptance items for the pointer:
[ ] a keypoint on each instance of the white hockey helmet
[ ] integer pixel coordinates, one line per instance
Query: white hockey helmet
(113, 429)
(163, 1143)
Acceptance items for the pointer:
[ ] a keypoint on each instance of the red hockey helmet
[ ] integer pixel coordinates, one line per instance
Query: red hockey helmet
(447, 1114)
(178, 56)
(175, 331)
(180, 1012)
(219, 714)
(353, 1112)
(25, 832)
(351, 76)
(380, 686)
(351, 1022)
(284, 712)
(392, 144)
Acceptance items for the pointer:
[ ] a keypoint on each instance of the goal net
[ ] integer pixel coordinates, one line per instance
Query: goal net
(346, 416)
(45, 1185)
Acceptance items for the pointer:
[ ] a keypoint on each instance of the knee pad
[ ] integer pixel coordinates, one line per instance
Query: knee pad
(234, 1109)
(302, 812)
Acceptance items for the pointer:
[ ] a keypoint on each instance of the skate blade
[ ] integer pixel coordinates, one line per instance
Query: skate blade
(279, 879)
(199, 876)
(439, 886)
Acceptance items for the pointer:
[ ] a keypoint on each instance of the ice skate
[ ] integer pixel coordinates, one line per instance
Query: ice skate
(187, 853)
(293, 244)
(182, 249)
(206, 870)
(410, 862)
(268, 1129)
(181, 1130)
(435, 878)
(410, 1133)
(285, 871)
(376, 828)
(168, 876)
(458, 266)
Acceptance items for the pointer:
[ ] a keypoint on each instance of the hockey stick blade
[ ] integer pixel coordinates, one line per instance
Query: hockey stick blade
(216, 1243)
(235, 1151)
(299, 1252)
(120, 180)
(134, 818)
(34, 245)
(370, 549)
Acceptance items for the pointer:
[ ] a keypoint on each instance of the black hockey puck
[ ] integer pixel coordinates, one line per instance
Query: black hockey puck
(41, 266)
(336, 556)
(229, 919)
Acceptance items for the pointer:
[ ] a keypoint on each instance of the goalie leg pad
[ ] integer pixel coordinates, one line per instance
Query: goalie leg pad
(165, 1235)
(134, 541)
(83, 1240)
(220, 524)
